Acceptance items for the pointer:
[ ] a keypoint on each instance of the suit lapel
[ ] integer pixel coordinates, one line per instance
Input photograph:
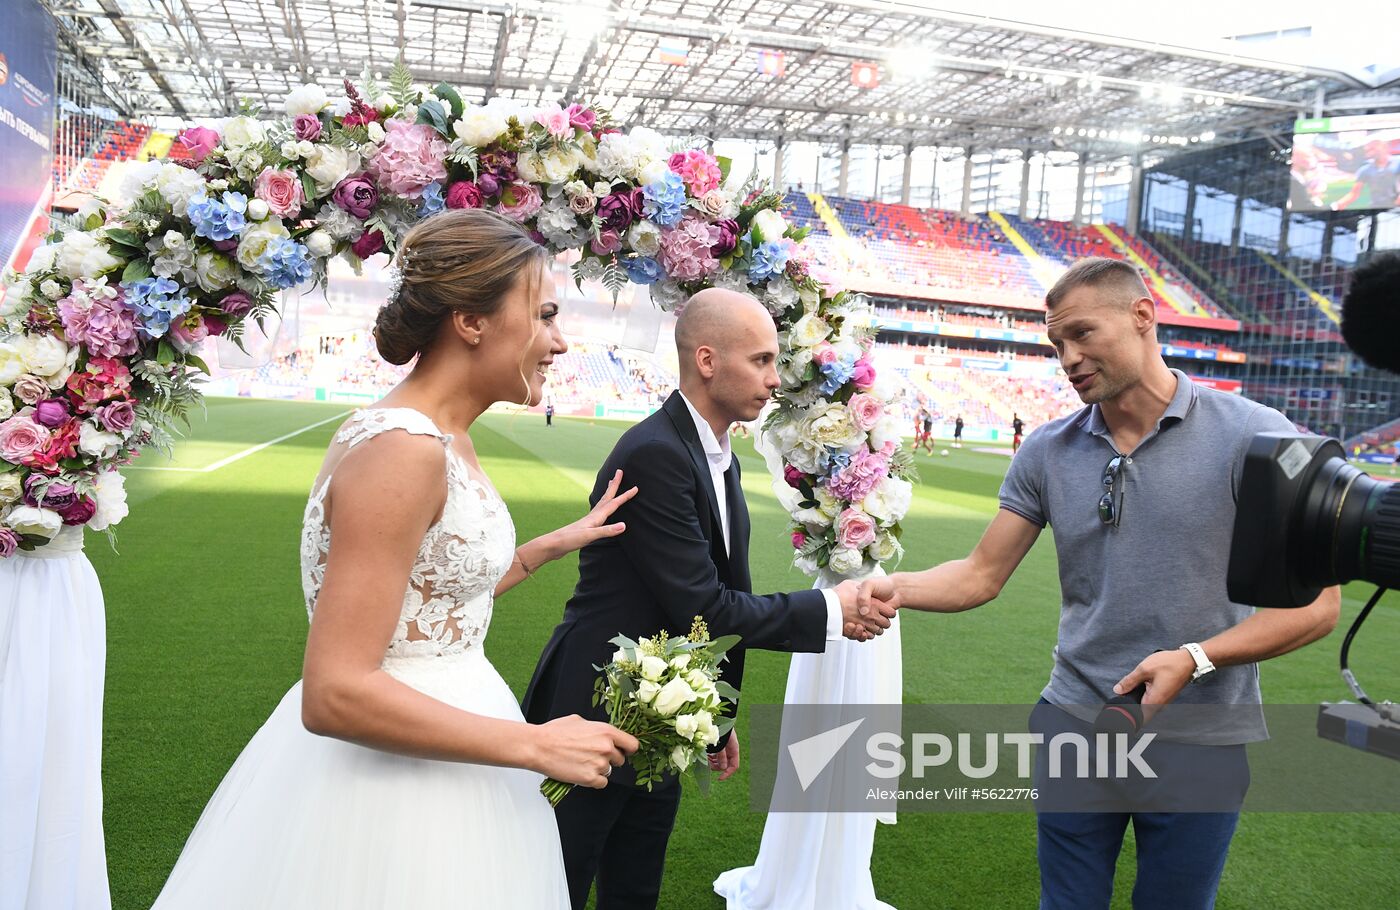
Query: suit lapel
(676, 409)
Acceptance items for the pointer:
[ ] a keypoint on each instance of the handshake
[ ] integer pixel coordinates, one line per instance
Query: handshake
(866, 607)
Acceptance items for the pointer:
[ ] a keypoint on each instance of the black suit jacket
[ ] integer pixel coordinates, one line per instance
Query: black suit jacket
(668, 567)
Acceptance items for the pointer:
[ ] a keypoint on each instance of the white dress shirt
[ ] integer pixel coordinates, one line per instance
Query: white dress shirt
(719, 454)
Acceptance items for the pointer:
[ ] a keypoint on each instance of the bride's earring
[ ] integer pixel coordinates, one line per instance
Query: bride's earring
(476, 340)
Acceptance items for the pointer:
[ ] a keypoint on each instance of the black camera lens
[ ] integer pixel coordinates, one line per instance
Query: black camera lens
(1306, 519)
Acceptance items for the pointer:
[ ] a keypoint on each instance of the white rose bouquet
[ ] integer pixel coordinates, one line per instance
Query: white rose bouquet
(666, 692)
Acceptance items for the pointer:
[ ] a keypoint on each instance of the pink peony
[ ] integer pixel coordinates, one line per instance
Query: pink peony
(866, 410)
(793, 476)
(21, 437)
(606, 243)
(581, 117)
(281, 190)
(854, 529)
(823, 354)
(685, 250)
(464, 195)
(410, 157)
(118, 416)
(864, 374)
(106, 327)
(199, 141)
(236, 304)
(9, 542)
(855, 481)
(357, 195)
(306, 127)
(188, 333)
(30, 389)
(799, 540)
(370, 242)
(699, 171)
(556, 122)
(519, 201)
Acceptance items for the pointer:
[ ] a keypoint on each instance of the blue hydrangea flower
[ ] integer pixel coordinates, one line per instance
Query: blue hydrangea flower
(834, 461)
(643, 270)
(285, 263)
(218, 219)
(663, 202)
(837, 374)
(432, 200)
(769, 259)
(157, 303)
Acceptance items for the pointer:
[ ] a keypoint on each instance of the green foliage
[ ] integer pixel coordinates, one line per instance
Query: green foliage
(401, 85)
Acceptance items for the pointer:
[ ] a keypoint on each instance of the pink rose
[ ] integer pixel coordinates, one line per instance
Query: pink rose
(582, 118)
(793, 476)
(118, 416)
(606, 243)
(30, 389)
(9, 542)
(80, 512)
(370, 242)
(21, 437)
(556, 122)
(864, 374)
(306, 127)
(855, 530)
(519, 201)
(823, 354)
(866, 410)
(281, 190)
(236, 304)
(464, 195)
(188, 333)
(410, 157)
(199, 141)
(357, 195)
(799, 540)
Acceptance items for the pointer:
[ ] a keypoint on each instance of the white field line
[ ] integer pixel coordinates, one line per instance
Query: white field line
(225, 462)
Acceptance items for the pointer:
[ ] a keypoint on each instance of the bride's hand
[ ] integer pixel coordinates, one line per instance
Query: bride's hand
(594, 525)
(578, 751)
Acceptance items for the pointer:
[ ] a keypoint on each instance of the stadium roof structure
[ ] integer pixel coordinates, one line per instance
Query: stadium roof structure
(863, 71)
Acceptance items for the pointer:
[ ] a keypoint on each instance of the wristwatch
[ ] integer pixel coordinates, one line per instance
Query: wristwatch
(1203, 664)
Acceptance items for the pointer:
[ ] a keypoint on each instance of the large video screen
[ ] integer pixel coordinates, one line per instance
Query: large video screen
(28, 63)
(1346, 163)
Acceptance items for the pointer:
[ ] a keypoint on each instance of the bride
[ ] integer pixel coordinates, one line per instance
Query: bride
(399, 772)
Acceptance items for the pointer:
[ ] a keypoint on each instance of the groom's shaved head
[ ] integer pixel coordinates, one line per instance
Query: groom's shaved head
(717, 318)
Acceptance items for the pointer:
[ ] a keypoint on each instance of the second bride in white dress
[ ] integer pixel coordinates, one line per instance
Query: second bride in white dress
(422, 788)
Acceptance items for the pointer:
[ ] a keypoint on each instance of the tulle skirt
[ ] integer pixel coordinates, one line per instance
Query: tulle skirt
(53, 653)
(304, 821)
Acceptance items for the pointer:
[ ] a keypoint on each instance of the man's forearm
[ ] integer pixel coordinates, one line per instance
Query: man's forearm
(951, 587)
(1272, 633)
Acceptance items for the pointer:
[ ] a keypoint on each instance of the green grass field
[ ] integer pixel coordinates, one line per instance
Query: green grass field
(206, 628)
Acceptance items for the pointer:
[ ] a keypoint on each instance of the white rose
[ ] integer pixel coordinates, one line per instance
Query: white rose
(559, 164)
(652, 667)
(308, 99)
(529, 166)
(95, 442)
(29, 520)
(709, 733)
(832, 426)
(680, 757)
(110, 493)
(885, 547)
(680, 661)
(83, 255)
(10, 487)
(7, 406)
(809, 331)
(43, 355)
(255, 241)
(376, 132)
(213, 271)
(887, 430)
(479, 126)
(770, 224)
(383, 102)
(51, 289)
(42, 259)
(673, 696)
(889, 501)
(845, 561)
(653, 172)
(646, 691)
(644, 237)
(719, 204)
(289, 149)
(329, 165)
(11, 364)
(305, 147)
(687, 725)
(257, 210)
(320, 244)
(178, 185)
(697, 679)
(241, 131)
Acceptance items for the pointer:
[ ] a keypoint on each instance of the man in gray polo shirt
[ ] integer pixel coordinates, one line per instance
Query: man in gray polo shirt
(1139, 489)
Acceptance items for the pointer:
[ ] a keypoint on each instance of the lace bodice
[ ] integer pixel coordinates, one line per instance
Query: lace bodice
(447, 605)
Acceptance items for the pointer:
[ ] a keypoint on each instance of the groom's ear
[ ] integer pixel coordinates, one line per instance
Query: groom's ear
(705, 361)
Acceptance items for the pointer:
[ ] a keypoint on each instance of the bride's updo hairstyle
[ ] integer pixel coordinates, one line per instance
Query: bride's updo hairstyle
(460, 259)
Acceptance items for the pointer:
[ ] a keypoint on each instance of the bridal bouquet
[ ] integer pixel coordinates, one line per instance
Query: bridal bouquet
(666, 692)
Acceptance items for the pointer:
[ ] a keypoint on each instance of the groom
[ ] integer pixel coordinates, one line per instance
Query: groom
(685, 553)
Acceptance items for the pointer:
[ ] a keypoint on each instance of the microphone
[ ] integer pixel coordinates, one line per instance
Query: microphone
(1122, 713)
(1371, 312)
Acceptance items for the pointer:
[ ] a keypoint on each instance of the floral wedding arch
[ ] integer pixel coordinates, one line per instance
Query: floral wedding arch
(99, 336)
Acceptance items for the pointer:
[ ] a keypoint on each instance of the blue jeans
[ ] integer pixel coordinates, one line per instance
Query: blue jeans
(1180, 855)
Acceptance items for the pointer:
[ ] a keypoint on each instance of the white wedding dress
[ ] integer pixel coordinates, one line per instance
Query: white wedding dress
(303, 821)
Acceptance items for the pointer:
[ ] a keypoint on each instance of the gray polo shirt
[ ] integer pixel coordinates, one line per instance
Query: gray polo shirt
(1156, 580)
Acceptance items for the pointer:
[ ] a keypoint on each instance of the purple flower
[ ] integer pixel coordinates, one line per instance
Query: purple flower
(581, 117)
(9, 542)
(728, 237)
(79, 513)
(370, 242)
(118, 416)
(226, 246)
(357, 195)
(488, 184)
(236, 304)
(51, 412)
(104, 325)
(498, 164)
(617, 211)
(306, 127)
(58, 496)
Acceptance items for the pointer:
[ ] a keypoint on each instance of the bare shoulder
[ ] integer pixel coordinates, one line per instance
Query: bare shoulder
(396, 470)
